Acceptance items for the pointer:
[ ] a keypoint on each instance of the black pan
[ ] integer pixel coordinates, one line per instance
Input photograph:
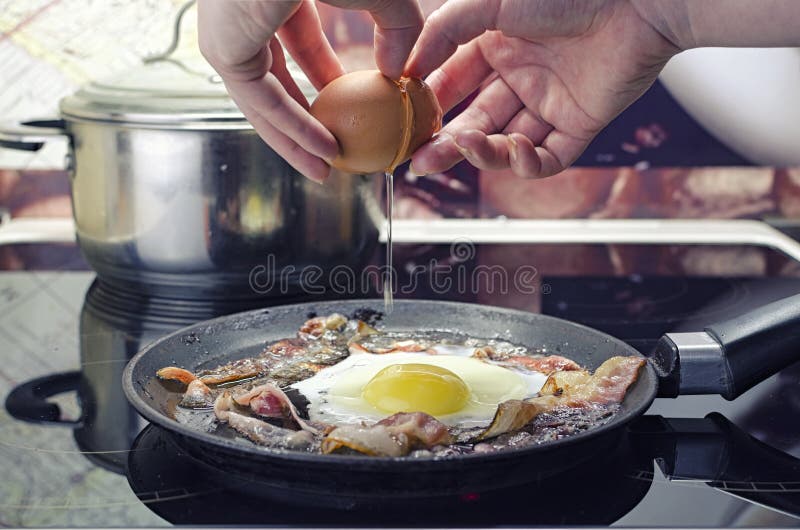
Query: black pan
(727, 358)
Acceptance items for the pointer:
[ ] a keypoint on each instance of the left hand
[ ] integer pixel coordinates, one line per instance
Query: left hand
(238, 38)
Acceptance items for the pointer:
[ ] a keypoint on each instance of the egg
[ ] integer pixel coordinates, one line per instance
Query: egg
(457, 390)
(378, 122)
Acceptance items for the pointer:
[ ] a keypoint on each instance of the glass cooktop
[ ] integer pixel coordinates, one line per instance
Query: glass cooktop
(74, 453)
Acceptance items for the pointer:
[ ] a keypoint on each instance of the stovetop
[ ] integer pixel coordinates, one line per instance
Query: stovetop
(84, 458)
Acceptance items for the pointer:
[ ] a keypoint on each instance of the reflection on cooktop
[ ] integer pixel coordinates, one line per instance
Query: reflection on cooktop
(597, 492)
(77, 475)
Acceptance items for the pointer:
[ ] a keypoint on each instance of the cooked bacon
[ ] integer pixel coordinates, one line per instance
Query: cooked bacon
(607, 385)
(235, 371)
(421, 427)
(515, 414)
(286, 349)
(545, 365)
(270, 401)
(403, 346)
(398, 346)
(485, 352)
(376, 440)
(396, 435)
(356, 349)
(317, 326)
(197, 396)
(259, 431)
(563, 382)
(173, 373)
(363, 329)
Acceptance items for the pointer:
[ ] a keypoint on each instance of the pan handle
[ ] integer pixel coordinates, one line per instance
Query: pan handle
(715, 451)
(730, 357)
(30, 135)
(28, 401)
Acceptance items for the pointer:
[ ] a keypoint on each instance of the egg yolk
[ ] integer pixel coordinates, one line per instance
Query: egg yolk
(416, 387)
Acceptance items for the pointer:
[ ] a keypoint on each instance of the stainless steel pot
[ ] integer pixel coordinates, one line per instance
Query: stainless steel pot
(175, 194)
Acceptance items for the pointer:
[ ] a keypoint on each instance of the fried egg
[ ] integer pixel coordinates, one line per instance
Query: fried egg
(456, 389)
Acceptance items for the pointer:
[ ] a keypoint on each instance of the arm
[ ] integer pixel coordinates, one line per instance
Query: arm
(733, 23)
(549, 75)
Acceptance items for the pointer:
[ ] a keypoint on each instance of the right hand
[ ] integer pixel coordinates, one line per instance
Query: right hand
(238, 38)
(549, 75)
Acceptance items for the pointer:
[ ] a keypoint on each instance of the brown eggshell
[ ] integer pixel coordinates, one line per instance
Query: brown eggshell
(427, 115)
(366, 113)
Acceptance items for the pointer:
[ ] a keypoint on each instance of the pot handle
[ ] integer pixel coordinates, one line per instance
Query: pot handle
(730, 357)
(715, 451)
(28, 401)
(30, 135)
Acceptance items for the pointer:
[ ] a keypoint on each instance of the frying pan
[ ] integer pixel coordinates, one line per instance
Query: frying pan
(726, 359)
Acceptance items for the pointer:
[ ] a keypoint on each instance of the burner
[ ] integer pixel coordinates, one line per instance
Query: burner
(691, 451)
(598, 492)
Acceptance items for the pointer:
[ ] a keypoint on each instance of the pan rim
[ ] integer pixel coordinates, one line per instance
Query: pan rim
(379, 463)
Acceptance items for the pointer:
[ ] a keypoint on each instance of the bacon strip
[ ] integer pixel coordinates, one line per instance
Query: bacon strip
(396, 435)
(197, 394)
(270, 401)
(608, 385)
(545, 365)
(236, 371)
(422, 427)
(173, 373)
(259, 431)
(317, 326)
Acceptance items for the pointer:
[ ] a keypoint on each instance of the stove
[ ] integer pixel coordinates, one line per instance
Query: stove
(74, 453)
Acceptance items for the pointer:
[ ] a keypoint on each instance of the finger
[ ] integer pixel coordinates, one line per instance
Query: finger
(440, 154)
(459, 76)
(558, 151)
(233, 40)
(456, 22)
(489, 112)
(306, 163)
(268, 98)
(529, 124)
(279, 70)
(304, 40)
(398, 23)
(483, 151)
(522, 156)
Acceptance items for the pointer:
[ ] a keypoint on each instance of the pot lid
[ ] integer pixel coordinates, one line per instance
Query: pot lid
(175, 89)
(163, 92)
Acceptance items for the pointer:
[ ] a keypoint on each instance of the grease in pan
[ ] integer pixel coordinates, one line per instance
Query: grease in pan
(341, 385)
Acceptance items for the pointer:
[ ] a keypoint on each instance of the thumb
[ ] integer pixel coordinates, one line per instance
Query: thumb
(456, 22)
(398, 23)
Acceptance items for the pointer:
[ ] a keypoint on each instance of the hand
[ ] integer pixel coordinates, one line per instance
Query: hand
(238, 38)
(551, 75)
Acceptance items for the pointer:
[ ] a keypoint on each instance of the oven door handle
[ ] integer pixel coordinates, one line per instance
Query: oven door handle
(29, 401)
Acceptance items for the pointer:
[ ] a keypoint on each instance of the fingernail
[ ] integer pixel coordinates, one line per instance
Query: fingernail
(441, 139)
(414, 171)
(513, 148)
